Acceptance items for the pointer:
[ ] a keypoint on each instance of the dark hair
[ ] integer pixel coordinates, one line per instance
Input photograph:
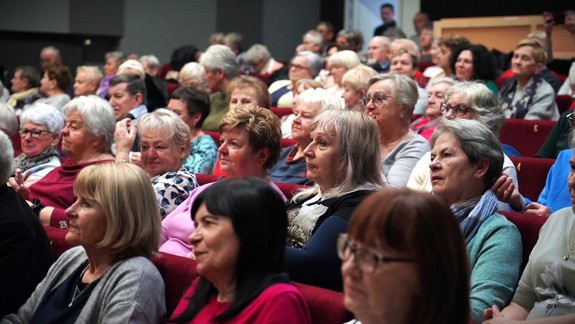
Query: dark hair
(423, 226)
(483, 62)
(29, 73)
(135, 84)
(387, 5)
(259, 219)
(197, 101)
(61, 74)
(328, 25)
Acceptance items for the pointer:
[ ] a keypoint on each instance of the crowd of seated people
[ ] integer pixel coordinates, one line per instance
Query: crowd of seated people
(355, 124)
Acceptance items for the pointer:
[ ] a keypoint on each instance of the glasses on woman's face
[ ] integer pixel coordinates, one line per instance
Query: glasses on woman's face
(34, 132)
(458, 110)
(298, 67)
(378, 99)
(366, 260)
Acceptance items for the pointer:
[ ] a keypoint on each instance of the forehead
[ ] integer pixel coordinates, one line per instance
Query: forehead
(154, 134)
(466, 53)
(299, 60)
(120, 87)
(73, 116)
(457, 98)
(384, 86)
(524, 50)
(446, 140)
(243, 91)
(401, 57)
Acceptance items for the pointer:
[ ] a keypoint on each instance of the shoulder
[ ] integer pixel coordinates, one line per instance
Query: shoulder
(498, 225)
(278, 84)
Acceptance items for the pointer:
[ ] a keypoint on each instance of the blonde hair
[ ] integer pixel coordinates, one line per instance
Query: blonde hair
(358, 77)
(125, 193)
(539, 54)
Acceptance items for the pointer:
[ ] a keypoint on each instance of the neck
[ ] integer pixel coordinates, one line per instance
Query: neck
(54, 92)
(226, 290)
(392, 135)
(98, 264)
(224, 84)
(521, 82)
(195, 133)
(93, 156)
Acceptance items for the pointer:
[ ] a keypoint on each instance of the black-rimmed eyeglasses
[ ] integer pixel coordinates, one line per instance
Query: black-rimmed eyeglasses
(34, 132)
(378, 99)
(458, 110)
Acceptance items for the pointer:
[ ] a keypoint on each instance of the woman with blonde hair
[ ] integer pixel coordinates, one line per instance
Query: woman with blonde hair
(355, 83)
(338, 64)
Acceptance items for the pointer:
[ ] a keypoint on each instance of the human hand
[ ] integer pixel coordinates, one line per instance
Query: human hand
(505, 191)
(491, 312)
(538, 209)
(124, 136)
(136, 158)
(548, 22)
(17, 183)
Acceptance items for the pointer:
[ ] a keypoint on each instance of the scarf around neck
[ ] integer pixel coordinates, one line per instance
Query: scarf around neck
(473, 212)
(24, 162)
(519, 110)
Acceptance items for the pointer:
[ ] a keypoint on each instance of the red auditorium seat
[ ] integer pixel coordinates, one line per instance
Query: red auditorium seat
(215, 136)
(564, 102)
(531, 174)
(529, 226)
(281, 111)
(525, 135)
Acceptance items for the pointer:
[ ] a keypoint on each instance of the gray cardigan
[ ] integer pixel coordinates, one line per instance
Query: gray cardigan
(132, 291)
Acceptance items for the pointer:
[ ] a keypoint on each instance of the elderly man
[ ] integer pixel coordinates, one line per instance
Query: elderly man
(25, 85)
(221, 67)
(128, 96)
(312, 41)
(387, 11)
(378, 53)
(25, 252)
(327, 31)
(49, 55)
(87, 80)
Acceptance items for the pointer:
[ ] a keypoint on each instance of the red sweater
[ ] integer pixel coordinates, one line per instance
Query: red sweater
(56, 189)
(278, 303)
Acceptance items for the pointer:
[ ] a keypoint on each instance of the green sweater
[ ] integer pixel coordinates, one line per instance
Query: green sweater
(495, 257)
(219, 103)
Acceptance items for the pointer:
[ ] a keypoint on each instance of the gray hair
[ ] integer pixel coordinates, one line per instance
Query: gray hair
(6, 157)
(8, 120)
(29, 73)
(192, 70)
(382, 40)
(43, 114)
(314, 61)
(117, 56)
(356, 137)
(319, 99)
(484, 103)
(448, 80)
(150, 60)
(94, 74)
(353, 36)
(478, 142)
(97, 115)
(257, 53)
(133, 65)
(220, 57)
(403, 89)
(168, 123)
(314, 36)
(346, 58)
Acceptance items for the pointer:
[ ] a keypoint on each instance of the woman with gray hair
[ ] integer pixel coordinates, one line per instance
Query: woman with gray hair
(389, 102)
(466, 161)
(343, 161)
(338, 64)
(192, 74)
(86, 140)
(40, 127)
(304, 65)
(164, 145)
(291, 167)
(260, 58)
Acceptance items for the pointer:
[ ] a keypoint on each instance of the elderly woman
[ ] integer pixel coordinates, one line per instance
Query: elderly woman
(192, 74)
(250, 146)
(113, 60)
(404, 61)
(474, 62)
(301, 86)
(291, 167)
(241, 278)
(526, 95)
(546, 289)
(355, 83)
(87, 137)
(426, 124)
(39, 135)
(470, 100)
(248, 90)
(343, 162)
(221, 67)
(304, 65)
(409, 261)
(53, 86)
(260, 58)
(338, 64)
(466, 160)
(193, 106)
(109, 277)
(164, 145)
(87, 80)
(389, 102)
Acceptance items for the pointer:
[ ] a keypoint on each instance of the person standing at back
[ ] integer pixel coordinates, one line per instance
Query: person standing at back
(387, 12)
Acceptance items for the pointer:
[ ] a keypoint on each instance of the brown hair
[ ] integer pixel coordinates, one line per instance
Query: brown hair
(253, 83)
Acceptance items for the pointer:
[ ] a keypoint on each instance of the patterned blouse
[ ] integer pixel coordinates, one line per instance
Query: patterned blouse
(172, 188)
(203, 155)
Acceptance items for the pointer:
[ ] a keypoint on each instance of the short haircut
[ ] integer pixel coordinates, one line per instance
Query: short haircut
(484, 103)
(328, 25)
(539, 54)
(477, 142)
(7, 158)
(253, 83)
(319, 100)
(134, 84)
(117, 56)
(29, 73)
(168, 123)
(8, 120)
(150, 60)
(234, 39)
(413, 56)
(257, 53)
(125, 193)
(353, 37)
(98, 117)
(387, 5)
(93, 73)
(314, 36)
(357, 140)
(61, 74)
(217, 38)
(259, 221)
(422, 226)
(483, 62)
(192, 70)
(197, 102)
(43, 114)
(262, 126)
(220, 57)
(346, 58)
(134, 65)
(453, 41)
(403, 89)
(358, 77)
(314, 61)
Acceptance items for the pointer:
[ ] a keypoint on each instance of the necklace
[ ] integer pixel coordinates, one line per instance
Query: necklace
(566, 256)
(77, 290)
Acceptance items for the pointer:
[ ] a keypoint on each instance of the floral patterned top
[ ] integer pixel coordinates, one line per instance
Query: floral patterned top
(172, 188)
(203, 155)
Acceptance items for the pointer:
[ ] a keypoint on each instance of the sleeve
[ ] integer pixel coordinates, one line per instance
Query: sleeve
(544, 195)
(496, 271)
(317, 260)
(405, 161)
(548, 148)
(173, 189)
(543, 106)
(285, 308)
(420, 175)
(59, 218)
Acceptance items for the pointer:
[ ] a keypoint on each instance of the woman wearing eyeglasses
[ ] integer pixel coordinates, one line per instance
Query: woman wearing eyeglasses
(39, 136)
(389, 102)
(404, 261)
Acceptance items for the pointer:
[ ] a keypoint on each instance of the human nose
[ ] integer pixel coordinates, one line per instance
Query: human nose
(434, 164)
(449, 114)
(571, 181)
(194, 237)
(308, 151)
(349, 266)
(71, 211)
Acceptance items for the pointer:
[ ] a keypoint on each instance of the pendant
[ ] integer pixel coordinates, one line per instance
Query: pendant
(566, 257)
